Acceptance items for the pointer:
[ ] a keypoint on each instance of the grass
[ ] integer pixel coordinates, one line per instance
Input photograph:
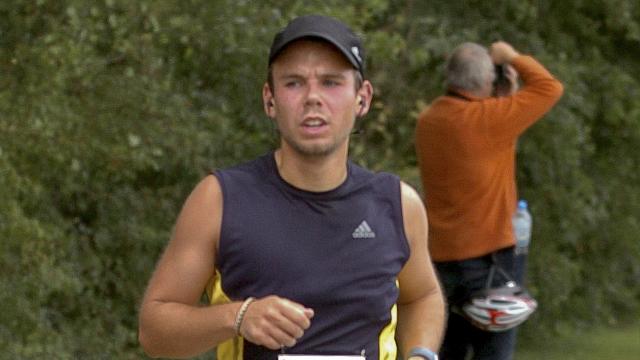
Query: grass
(598, 344)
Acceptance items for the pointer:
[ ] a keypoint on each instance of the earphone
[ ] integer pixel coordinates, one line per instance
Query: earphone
(361, 103)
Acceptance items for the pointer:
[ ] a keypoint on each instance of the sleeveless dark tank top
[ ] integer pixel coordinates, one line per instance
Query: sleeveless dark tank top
(338, 252)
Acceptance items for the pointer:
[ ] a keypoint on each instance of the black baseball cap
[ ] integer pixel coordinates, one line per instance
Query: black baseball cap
(325, 28)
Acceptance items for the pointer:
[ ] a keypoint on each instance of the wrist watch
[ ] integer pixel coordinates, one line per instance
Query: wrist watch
(424, 353)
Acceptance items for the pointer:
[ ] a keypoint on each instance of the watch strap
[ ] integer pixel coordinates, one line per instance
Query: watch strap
(424, 353)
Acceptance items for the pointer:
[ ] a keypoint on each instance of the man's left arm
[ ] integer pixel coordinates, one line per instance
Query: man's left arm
(421, 306)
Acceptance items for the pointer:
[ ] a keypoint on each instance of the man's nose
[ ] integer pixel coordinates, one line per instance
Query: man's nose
(314, 95)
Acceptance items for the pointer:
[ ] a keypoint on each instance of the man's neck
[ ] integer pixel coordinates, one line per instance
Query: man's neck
(472, 94)
(312, 173)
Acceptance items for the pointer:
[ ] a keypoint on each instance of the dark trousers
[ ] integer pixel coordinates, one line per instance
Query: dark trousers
(461, 278)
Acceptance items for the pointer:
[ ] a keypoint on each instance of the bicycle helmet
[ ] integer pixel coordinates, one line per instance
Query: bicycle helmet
(499, 309)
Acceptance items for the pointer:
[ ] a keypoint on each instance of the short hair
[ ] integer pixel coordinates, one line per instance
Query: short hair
(469, 67)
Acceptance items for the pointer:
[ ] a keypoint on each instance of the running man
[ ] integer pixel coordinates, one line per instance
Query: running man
(301, 250)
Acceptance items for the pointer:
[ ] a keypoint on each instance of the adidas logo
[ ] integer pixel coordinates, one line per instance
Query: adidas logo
(363, 231)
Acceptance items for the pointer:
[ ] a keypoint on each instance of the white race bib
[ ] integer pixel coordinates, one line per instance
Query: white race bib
(320, 357)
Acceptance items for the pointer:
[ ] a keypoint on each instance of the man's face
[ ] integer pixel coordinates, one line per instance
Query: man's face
(314, 98)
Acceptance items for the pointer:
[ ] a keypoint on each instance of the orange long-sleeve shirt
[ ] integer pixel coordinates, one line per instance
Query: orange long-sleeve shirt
(466, 152)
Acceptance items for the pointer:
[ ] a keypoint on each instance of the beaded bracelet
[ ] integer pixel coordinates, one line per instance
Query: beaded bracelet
(240, 314)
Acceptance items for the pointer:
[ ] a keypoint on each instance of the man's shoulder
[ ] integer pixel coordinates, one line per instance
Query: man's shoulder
(247, 173)
(444, 104)
(361, 172)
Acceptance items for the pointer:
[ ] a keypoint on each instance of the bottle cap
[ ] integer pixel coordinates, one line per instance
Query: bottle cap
(522, 204)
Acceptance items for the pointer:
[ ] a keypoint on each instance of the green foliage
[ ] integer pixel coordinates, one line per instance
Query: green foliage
(112, 110)
(594, 343)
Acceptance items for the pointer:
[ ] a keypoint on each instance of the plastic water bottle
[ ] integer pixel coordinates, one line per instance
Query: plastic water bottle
(522, 227)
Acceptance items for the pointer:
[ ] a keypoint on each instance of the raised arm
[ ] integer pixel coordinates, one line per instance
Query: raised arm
(421, 306)
(508, 117)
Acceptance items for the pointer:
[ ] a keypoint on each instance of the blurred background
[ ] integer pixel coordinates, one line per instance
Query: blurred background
(112, 110)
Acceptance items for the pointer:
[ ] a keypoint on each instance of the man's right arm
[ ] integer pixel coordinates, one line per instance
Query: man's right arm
(510, 116)
(172, 323)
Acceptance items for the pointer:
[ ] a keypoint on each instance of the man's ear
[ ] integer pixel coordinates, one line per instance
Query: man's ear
(268, 102)
(363, 97)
